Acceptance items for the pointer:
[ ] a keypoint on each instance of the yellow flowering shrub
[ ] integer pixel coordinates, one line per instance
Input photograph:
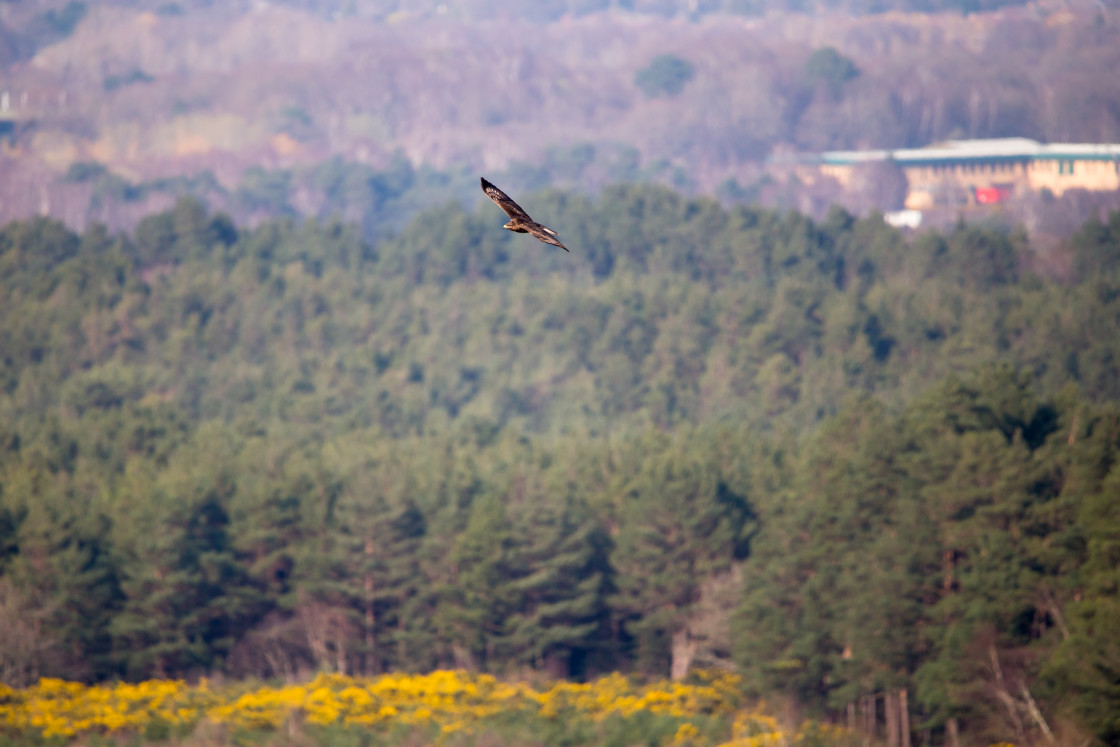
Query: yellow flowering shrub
(451, 703)
(57, 708)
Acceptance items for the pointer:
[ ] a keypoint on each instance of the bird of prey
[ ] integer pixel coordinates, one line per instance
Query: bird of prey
(519, 220)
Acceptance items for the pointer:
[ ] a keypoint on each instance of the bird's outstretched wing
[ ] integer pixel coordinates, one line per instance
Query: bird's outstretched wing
(547, 235)
(511, 208)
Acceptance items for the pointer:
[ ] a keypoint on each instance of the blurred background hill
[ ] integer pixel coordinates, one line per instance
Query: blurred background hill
(370, 110)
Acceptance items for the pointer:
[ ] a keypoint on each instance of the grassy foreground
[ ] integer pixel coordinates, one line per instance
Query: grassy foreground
(444, 707)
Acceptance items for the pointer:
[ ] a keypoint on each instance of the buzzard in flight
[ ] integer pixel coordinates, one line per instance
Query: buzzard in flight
(519, 220)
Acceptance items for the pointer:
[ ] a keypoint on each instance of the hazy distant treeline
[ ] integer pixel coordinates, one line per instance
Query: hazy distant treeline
(273, 109)
(840, 462)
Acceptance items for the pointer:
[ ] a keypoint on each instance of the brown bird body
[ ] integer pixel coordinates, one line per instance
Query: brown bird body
(519, 220)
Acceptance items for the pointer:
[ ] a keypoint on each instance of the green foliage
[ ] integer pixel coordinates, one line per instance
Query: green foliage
(64, 21)
(256, 451)
(1084, 673)
(268, 191)
(84, 171)
(109, 188)
(188, 598)
(122, 80)
(666, 75)
(680, 524)
(829, 68)
(1097, 247)
(55, 24)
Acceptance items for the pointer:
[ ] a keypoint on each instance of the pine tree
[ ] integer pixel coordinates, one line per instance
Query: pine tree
(681, 523)
(367, 570)
(560, 558)
(474, 611)
(67, 567)
(975, 452)
(1084, 671)
(188, 598)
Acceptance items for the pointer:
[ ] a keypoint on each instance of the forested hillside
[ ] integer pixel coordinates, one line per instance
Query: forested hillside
(837, 461)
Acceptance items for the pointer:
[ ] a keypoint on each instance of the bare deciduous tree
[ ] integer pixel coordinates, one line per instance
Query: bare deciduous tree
(24, 648)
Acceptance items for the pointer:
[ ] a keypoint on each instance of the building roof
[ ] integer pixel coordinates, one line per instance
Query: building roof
(1008, 148)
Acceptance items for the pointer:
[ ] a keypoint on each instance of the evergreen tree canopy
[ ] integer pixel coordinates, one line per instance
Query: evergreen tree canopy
(838, 460)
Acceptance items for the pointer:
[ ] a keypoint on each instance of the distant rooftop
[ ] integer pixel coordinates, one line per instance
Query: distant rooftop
(1007, 148)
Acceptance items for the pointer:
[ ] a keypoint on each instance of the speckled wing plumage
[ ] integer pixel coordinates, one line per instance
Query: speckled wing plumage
(519, 220)
(506, 203)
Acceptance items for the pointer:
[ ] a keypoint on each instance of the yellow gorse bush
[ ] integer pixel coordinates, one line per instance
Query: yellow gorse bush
(59, 708)
(448, 701)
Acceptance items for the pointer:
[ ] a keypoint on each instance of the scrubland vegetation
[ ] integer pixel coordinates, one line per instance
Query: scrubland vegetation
(450, 708)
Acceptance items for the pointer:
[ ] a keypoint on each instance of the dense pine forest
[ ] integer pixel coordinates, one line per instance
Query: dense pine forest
(836, 460)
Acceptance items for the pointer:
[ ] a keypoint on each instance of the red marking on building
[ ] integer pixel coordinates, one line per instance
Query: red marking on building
(992, 195)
